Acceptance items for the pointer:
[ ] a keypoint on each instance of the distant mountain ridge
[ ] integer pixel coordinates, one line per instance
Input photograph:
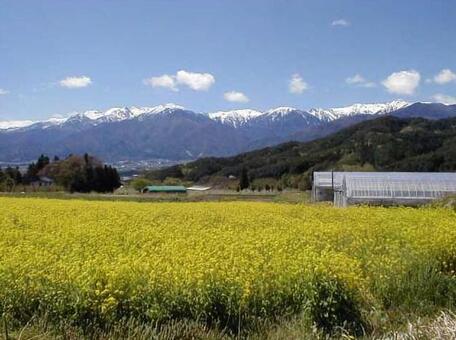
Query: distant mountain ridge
(235, 118)
(172, 132)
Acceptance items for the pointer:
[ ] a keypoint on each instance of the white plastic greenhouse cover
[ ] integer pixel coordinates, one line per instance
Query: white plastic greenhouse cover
(389, 185)
(326, 179)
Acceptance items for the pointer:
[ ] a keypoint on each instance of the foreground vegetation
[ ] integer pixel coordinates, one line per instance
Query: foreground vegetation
(221, 268)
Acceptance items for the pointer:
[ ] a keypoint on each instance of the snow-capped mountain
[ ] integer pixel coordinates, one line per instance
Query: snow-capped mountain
(172, 132)
(357, 109)
(240, 118)
(93, 117)
(235, 118)
(283, 111)
(14, 124)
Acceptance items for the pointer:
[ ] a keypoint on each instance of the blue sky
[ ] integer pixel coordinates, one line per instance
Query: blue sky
(60, 56)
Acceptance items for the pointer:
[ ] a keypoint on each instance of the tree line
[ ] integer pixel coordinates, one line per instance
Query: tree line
(383, 144)
(74, 173)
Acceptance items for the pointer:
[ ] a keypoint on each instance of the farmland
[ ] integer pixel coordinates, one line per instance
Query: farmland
(226, 265)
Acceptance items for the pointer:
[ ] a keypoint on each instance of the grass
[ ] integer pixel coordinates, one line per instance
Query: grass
(442, 326)
(212, 195)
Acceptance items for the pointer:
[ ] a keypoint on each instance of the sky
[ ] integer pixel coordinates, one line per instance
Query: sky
(62, 56)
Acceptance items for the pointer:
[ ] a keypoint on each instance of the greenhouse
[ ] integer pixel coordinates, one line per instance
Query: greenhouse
(405, 188)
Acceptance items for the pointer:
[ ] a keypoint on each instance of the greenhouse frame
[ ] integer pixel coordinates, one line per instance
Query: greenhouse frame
(402, 188)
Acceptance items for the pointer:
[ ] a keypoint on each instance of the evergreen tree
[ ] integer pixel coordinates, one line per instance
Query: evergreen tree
(244, 179)
(10, 172)
(31, 174)
(78, 183)
(9, 184)
(42, 162)
(90, 178)
(34, 168)
(98, 181)
(17, 176)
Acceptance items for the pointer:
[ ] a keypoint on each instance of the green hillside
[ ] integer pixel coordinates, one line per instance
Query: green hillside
(383, 144)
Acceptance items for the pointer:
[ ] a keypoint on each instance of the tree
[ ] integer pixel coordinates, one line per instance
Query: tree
(34, 168)
(42, 162)
(17, 176)
(244, 179)
(14, 174)
(9, 184)
(78, 183)
(139, 183)
(79, 174)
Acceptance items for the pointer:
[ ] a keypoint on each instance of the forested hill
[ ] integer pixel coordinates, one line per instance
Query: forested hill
(386, 143)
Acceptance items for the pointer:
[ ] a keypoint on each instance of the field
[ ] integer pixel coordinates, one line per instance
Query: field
(231, 267)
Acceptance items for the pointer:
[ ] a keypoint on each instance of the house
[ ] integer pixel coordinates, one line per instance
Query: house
(169, 189)
(43, 181)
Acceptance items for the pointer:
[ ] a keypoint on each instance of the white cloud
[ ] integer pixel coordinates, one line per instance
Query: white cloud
(75, 82)
(164, 80)
(442, 98)
(368, 84)
(297, 85)
(340, 22)
(3, 92)
(359, 80)
(235, 96)
(445, 76)
(402, 82)
(195, 81)
(356, 79)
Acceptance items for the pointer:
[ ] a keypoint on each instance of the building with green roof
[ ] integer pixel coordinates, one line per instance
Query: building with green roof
(171, 189)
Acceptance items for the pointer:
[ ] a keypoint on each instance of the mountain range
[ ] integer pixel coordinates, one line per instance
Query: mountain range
(176, 133)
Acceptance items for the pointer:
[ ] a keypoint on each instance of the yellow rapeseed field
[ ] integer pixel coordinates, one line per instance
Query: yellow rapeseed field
(93, 261)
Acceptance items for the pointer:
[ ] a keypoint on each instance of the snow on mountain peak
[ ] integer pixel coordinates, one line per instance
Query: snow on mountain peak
(116, 114)
(357, 109)
(281, 111)
(160, 108)
(92, 117)
(15, 124)
(235, 117)
(371, 108)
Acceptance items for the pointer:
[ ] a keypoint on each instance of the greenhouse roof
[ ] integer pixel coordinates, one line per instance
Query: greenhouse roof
(388, 185)
(165, 188)
(328, 179)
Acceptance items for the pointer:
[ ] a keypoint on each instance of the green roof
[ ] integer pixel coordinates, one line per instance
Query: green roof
(165, 188)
